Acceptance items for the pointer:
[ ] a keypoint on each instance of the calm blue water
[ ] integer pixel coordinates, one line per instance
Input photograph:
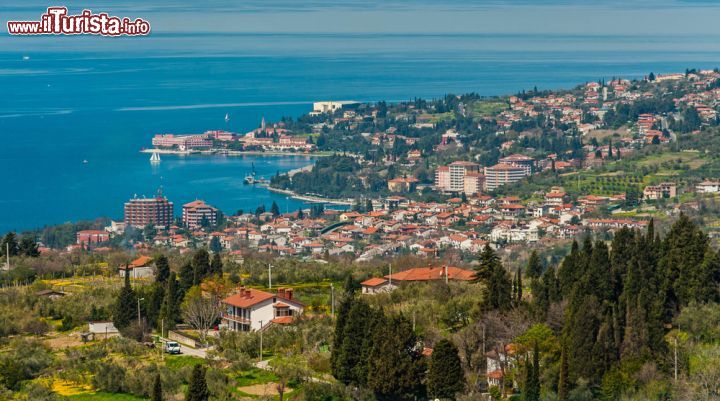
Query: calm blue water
(101, 100)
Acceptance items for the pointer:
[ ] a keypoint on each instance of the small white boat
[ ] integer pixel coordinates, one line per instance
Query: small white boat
(85, 162)
(155, 158)
(26, 58)
(227, 117)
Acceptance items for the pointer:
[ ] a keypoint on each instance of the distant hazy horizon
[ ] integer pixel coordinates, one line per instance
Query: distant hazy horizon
(70, 99)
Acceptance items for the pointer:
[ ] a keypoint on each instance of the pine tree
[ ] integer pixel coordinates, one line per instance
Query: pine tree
(216, 266)
(163, 269)
(28, 247)
(197, 387)
(157, 389)
(10, 243)
(368, 205)
(534, 267)
(532, 382)
(498, 291)
(300, 214)
(445, 374)
(124, 310)
(275, 209)
(200, 265)
(396, 367)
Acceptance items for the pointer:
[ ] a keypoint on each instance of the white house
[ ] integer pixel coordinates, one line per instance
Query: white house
(377, 285)
(251, 309)
(708, 187)
(139, 268)
(104, 329)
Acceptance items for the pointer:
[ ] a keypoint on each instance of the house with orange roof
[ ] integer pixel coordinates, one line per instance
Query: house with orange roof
(250, 309)
(376, 285)
(141, 267)
(431, 274)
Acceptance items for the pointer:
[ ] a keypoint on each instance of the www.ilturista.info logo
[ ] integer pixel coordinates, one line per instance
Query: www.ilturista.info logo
(57, 22)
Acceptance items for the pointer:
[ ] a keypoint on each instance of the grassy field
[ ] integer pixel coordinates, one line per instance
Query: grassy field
(101, 396)
(488, 108)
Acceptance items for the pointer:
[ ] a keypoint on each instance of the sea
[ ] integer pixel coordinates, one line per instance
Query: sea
(76, 110)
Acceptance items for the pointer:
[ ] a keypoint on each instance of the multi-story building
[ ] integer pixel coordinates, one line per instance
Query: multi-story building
(157, 211)
(501, 174)
(660, 191)
(251, 309)
(474, 183)
(402, 184)
(197, 213)
(517, 160)
(88, 237)
(182, 142)
(452, 178)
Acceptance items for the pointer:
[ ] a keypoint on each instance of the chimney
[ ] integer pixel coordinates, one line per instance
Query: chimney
(247, 293)
(289, 293)
(281, 292)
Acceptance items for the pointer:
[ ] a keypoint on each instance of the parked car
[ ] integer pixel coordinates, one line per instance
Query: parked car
(171, 347)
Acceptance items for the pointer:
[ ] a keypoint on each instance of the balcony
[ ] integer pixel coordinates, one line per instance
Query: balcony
(236, 318)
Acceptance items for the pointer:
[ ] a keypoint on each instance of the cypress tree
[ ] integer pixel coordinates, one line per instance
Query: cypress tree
(396, 368)
(163, 269)
(216, 266)
(169, 310)
(275, 209)
(445, 374)
(519, 286)
(200, 265)
(349, 365)
(563, 384)
(124, 310)
(534, 267)
(340, 323)
(197, 387)
(187, 277)
(157, 389)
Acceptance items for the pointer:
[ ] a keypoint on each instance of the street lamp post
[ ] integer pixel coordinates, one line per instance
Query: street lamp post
(261, 335)
(269, 276)
(138, 309)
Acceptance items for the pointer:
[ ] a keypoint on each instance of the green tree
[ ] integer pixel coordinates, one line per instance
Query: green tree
(396, 367)
(497, 293)
(275, 209)
(124, 311)
(368, 205)
(532, 376)
(157, 389)
(197, 387)
(351, 365)
(163, 269)
(28, 247)
(215, 245)
(534, 267)
(187, 277)
(216, 265)
(9, 243)
(170, 309)
(200, 265)
(445, 376)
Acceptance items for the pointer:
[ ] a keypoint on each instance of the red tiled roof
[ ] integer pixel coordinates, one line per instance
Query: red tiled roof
(373, 282)
(248, 297)
(433, 273)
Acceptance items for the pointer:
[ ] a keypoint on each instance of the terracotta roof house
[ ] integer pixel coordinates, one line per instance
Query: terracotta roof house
(432, 273)
(376, 285)
(250, 309)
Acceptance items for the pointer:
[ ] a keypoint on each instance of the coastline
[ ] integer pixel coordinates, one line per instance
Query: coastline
(308, 198)
(223, 152)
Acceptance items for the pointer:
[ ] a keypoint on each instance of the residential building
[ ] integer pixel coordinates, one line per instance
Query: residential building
(90, 237)
(376, 285)
(197, 213)
(501, 174)
(250, 309)
(157, 211)
(431, 274)
(517, 160)
(660, 191)
(708, 187)
(142, 267)
(401, 184)
(452, 178)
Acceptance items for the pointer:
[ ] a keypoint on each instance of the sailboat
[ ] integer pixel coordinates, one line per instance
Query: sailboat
(227, 117)
(155, 158)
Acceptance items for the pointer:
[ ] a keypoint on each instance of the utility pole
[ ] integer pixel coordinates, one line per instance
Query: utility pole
(332, 300)
(269, 276)
(390, 275)
(7, 254)
(446, 275)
